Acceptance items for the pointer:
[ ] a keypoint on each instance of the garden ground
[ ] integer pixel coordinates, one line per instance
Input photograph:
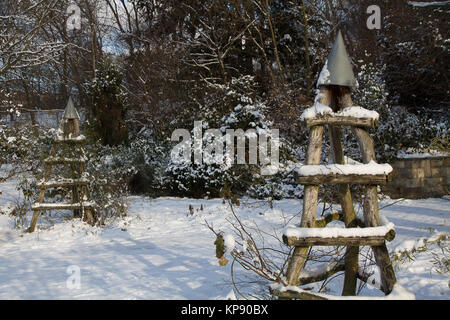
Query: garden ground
(160, 251)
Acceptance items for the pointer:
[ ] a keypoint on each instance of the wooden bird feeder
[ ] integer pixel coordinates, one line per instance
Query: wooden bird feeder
(67, 152)
(333, 108)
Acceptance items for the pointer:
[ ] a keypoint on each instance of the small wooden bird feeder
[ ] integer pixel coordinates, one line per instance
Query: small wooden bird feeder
(68, 154)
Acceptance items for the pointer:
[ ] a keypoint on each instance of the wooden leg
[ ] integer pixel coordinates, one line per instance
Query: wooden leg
(345, 198)
(75, 199)
(310, 199)
(33, 221)
(89, 213)
(381, 254)
(371, 217)
(352, 252)
(300, 254)
(90, 217)
(36, 213)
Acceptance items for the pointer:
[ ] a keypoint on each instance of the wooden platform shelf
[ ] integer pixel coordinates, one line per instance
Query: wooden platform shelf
(375, 236)
(333, 179)
(341, 121)
(398, 293)
(80, 139)
(62, 183)
(63, 160)
(61, 206)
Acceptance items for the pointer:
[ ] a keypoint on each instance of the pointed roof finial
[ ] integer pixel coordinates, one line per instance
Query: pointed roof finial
(70, 112)
(338, 69)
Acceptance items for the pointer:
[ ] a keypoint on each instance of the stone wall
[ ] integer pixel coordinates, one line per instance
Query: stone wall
(416, 178)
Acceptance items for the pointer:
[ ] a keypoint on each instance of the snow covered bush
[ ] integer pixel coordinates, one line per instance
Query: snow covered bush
(211, 179)
(137, 166)
(108, 171)
(22, 149)
(399, 131)
(415, 49)
(403, 132)
(108, 103)
(244, 112)
(149, 158)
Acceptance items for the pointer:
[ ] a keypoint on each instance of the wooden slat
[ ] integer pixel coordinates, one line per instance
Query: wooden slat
(70, 140)
(61, 206)
(341, 121)
(337, 241)
(290, 294)
(64, 160)
(62, 183)
(367, 179)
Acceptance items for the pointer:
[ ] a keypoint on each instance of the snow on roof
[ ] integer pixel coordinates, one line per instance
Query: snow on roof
(324, 77)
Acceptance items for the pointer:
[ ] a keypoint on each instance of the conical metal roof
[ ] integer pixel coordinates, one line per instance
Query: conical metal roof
(70, 112)
(338, 69)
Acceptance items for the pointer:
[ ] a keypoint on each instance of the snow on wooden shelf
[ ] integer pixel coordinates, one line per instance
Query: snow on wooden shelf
(334, 179)
(292, 292)
(320, 114)
(62, 206)
(61, 183)
(65, 160)
(371, 168)
(62, 138)
(373, 236)
(370, 173)
(315, 111)
(318, 110)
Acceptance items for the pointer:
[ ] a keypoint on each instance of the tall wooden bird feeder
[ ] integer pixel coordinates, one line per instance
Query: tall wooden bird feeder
(333, 108)
(68, 156)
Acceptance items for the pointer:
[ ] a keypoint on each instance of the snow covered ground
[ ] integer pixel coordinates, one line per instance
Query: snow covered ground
(160, 251)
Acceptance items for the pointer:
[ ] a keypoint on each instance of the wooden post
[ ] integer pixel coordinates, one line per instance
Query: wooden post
(76, 128)
(36, 213)
(41, 194)
(310, 197)
(371, 217)
(340, 99)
